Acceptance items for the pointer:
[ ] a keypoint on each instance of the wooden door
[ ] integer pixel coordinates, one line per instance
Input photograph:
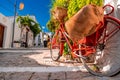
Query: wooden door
(26, 41)
(1, 35)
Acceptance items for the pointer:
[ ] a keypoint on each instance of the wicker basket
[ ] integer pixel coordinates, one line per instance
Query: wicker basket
(84, 22)
(59, 13)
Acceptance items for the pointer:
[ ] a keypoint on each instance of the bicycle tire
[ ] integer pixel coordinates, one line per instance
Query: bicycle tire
(100, 73)
(55, 48)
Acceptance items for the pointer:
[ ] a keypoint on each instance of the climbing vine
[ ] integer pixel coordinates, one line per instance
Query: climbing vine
(26, 20)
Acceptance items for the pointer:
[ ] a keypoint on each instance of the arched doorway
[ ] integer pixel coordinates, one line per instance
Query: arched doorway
(1, 35)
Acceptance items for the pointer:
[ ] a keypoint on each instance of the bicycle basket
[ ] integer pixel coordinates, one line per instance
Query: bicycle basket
(59, 13)
(84, 22)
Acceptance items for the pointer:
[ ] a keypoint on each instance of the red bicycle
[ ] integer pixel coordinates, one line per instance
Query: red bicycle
(89, 45)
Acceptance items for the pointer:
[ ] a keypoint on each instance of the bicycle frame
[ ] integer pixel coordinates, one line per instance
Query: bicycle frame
(93, 39)
(73, 47)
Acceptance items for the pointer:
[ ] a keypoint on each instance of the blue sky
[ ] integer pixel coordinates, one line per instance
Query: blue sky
(39, 8)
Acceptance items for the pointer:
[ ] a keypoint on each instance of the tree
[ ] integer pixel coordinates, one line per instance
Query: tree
(52, 25)
(27, 21)
(72, 6)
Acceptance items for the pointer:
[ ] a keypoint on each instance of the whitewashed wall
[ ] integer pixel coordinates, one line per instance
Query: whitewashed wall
(30, 39)
(39, 39)
(7, 31)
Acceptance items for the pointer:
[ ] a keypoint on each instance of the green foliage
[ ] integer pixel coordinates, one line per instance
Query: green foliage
(72, 5)
(23, 20)
(35, 28)
(66, 47)
(27, 21)
(52, 25)
(60, 3)
(75, 5)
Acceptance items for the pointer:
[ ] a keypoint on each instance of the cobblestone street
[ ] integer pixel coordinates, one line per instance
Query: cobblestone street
(37, 65)
(36, 58)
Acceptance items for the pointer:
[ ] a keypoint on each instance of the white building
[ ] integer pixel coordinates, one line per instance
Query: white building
(39, 40)
(6, 33)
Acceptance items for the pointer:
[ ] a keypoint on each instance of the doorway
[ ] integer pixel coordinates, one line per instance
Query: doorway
(1, 35)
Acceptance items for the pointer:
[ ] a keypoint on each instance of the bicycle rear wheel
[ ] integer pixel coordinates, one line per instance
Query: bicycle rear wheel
(106, 64)
(55, 47)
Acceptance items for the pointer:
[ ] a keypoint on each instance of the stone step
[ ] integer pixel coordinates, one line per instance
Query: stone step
(52, 76)
(43, 69)
(33, 48)
(22, 49)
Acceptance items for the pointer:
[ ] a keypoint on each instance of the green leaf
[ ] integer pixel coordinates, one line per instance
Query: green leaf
(26, 20)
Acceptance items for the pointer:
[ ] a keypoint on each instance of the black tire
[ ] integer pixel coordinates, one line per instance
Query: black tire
(55, 47)
(108, 20)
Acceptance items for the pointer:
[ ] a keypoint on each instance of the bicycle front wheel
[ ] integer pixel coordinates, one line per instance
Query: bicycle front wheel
(55, 47)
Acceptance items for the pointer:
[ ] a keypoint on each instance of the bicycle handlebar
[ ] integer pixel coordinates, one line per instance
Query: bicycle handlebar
(109, 6)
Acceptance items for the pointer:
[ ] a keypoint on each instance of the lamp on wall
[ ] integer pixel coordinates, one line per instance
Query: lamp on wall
(21, 6)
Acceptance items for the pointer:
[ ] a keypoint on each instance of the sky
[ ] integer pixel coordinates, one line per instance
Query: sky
(38, 8)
